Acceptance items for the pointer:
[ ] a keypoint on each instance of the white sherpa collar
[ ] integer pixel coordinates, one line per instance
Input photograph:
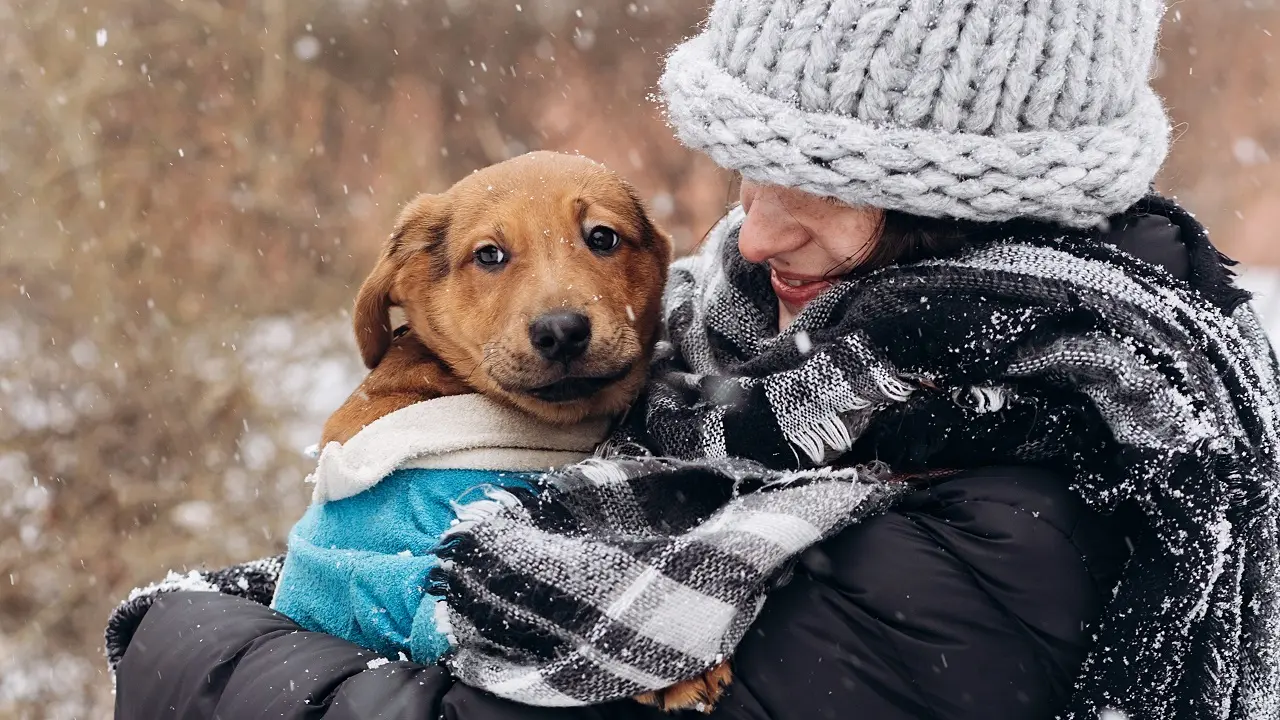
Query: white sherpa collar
(457, 432)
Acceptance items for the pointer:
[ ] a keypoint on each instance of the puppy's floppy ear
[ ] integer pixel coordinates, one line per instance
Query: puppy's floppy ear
(372, 314)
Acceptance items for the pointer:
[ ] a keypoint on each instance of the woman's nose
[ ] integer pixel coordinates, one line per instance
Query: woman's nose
(769, 231)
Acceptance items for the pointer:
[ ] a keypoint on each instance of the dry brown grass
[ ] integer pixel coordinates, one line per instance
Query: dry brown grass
(189, 192)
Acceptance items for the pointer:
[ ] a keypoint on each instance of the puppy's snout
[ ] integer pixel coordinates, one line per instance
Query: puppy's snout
(562, 336)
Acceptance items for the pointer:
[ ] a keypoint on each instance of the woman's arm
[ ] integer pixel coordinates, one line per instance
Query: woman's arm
(972, 601)
(201, 655)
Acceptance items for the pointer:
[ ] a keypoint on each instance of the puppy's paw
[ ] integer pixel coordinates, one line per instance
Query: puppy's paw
(700, 693)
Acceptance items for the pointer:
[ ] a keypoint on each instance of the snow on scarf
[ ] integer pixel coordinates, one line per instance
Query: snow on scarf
(628, 574)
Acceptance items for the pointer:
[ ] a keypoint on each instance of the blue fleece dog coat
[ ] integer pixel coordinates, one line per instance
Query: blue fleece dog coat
(358, 560)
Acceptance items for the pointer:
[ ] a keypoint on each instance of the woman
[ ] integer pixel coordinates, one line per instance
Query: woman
(946, 264)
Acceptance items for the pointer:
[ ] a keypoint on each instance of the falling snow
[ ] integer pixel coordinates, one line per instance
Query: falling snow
(190, 203)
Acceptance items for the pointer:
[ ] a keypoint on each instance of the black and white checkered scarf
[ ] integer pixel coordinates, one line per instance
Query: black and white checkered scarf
(628, 574)
(631, 572)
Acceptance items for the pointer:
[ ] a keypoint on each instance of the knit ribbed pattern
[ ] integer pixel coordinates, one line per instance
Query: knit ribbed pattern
(983, 110)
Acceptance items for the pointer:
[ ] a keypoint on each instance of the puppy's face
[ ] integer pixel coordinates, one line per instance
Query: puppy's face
(537, 280)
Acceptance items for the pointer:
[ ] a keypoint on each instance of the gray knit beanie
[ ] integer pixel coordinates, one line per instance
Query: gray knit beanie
(974, 109)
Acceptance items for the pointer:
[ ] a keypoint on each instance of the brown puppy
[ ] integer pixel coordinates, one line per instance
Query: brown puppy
(537, 282)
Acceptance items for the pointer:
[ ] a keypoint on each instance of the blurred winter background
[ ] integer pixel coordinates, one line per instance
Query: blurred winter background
(191, 191)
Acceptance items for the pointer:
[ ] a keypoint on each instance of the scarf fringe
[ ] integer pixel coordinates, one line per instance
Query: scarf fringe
(600, 471)
(869, 473)
(982, 399)
(828, 433)
(896, 389)
(496, 502)
(444, 623)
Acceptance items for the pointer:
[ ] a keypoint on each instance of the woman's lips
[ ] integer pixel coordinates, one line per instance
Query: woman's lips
(797, 290)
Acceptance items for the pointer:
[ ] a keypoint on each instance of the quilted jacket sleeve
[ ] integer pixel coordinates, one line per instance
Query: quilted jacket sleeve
(205, 655)
(973, 600)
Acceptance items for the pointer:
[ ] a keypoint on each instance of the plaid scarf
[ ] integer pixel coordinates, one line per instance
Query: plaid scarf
(632, 571)
(628, 574)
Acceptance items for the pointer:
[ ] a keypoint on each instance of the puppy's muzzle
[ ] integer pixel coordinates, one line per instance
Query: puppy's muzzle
(560, 337)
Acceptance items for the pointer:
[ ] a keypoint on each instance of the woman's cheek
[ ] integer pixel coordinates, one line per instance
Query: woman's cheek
(747, 196)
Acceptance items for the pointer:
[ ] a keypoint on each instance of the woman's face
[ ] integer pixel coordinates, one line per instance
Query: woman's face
(807, 241)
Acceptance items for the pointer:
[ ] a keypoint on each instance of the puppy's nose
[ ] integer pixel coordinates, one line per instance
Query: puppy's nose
(562, 336)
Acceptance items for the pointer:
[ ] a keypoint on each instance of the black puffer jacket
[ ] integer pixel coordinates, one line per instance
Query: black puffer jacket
(975, 599)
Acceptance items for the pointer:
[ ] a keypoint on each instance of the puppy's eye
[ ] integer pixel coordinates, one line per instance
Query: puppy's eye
(602, 239)
(490, 255)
